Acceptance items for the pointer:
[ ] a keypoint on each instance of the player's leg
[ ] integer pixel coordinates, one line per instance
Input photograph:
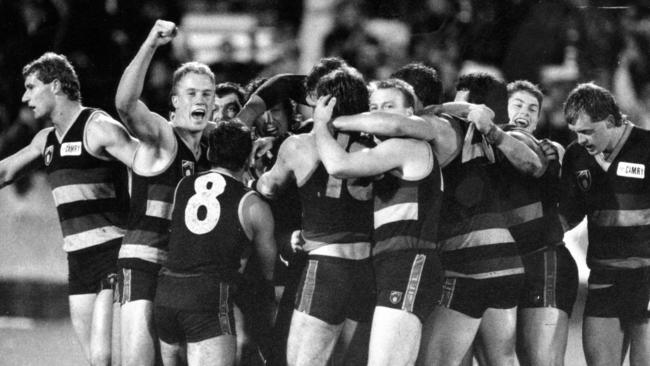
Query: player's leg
(395, 337)
(311, 340)
(447, 336)
(603, 340)
(217, 351)
(170, 336)
(639, 335)
(170, 353)
(138, 333)
(352, 346)
(542, 336)
(101, 329)
(498, 333)
(81, 315)
(116, 343)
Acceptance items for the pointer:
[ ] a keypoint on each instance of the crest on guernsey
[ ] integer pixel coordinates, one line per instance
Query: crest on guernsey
(188, 168)
(395, 297)
(49, 152)
(584, 179)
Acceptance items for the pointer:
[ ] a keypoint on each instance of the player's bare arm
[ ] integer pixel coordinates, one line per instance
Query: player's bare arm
(520, 155)
(283, 172)
(258, 220)
(25, 160)
(276, 89)
(149, 127)
(366, 162)
(107, 137)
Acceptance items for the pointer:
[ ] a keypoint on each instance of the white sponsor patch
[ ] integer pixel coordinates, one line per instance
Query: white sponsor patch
(71, 149)
(630, 170)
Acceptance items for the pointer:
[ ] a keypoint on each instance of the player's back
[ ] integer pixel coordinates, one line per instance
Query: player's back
(336, 211)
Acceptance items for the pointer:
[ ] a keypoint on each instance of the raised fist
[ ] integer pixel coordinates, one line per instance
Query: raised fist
(162, 32)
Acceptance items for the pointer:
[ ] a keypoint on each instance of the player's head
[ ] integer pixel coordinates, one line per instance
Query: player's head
(48, 76)
(193, 96)
(277, 119)
(322, 68)
(229, 145)
(425, 81)
(229, 100)
(348, 88)
(392, 96)
(484, 88)
(524, 104)
(592, 113)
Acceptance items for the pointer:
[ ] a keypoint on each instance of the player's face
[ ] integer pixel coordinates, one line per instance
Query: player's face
(193, 102)
(594, 136)
(390, 101)
(38, 96)
(523, 110)
(274, 122)
(226, 107)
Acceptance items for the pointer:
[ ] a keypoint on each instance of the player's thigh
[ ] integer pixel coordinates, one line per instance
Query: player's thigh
(603, 340)
(102, 327)
(394, 338)
(446, 337)
(216, 351)
(310, 339)
(498, 333)
(639, 335)
(542, 335)
(170, 353)
(138, 332)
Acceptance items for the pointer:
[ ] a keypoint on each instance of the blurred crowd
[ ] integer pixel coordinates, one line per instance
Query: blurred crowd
(554, 43)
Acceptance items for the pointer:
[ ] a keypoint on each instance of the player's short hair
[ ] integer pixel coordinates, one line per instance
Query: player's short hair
(425, 81)
(528, 87)
(193, 67)
(51, 66)
(348, 88)
(486, 89)
(287, 105)
(324, 67)
(400, 85)
(230, 144)
(228, 87)
(595, 101)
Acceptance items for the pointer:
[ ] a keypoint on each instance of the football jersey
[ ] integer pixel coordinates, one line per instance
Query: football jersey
(407, 211)
(474, 237)
(336, 210)
(145, 242)
(90, 192)
(615, 196)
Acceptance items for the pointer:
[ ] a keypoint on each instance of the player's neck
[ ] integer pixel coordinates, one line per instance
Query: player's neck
(64, 114)
(234, 174)
(191, 139)
(616, 134)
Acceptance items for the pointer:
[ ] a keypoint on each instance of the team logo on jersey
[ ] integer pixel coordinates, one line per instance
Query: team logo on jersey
(584, 179)
(630, 170)
(71, 149)
(49, 152)
(188, 168)
(395, 297)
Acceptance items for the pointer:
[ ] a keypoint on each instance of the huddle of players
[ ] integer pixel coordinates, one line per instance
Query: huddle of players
(461, 208)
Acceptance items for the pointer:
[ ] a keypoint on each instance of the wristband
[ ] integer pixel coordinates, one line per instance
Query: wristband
(495, 135)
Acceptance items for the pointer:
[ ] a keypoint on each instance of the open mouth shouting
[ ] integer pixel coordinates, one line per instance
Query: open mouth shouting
(522, 122)
(198, 113)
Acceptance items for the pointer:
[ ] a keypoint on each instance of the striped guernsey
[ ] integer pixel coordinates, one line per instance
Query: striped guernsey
(90, 192)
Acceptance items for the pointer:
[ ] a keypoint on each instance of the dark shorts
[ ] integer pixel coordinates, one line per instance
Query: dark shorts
(551, 279)
(623, 294)
(182, 325)
(93, 269)
(409, 280)
(135, 284)
(472, 297)
(334, 289)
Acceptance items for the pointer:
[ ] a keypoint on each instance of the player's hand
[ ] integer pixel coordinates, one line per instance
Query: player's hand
(549, 150)
(162, 32)
(297, 241)
(263, 145)
(323, 110)
(481, 116)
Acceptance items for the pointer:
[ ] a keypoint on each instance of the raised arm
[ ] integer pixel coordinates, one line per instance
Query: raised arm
(106, 136)
(147, 126)
(23, 161)
(343, 164)
(513, 146)
(273, 91)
